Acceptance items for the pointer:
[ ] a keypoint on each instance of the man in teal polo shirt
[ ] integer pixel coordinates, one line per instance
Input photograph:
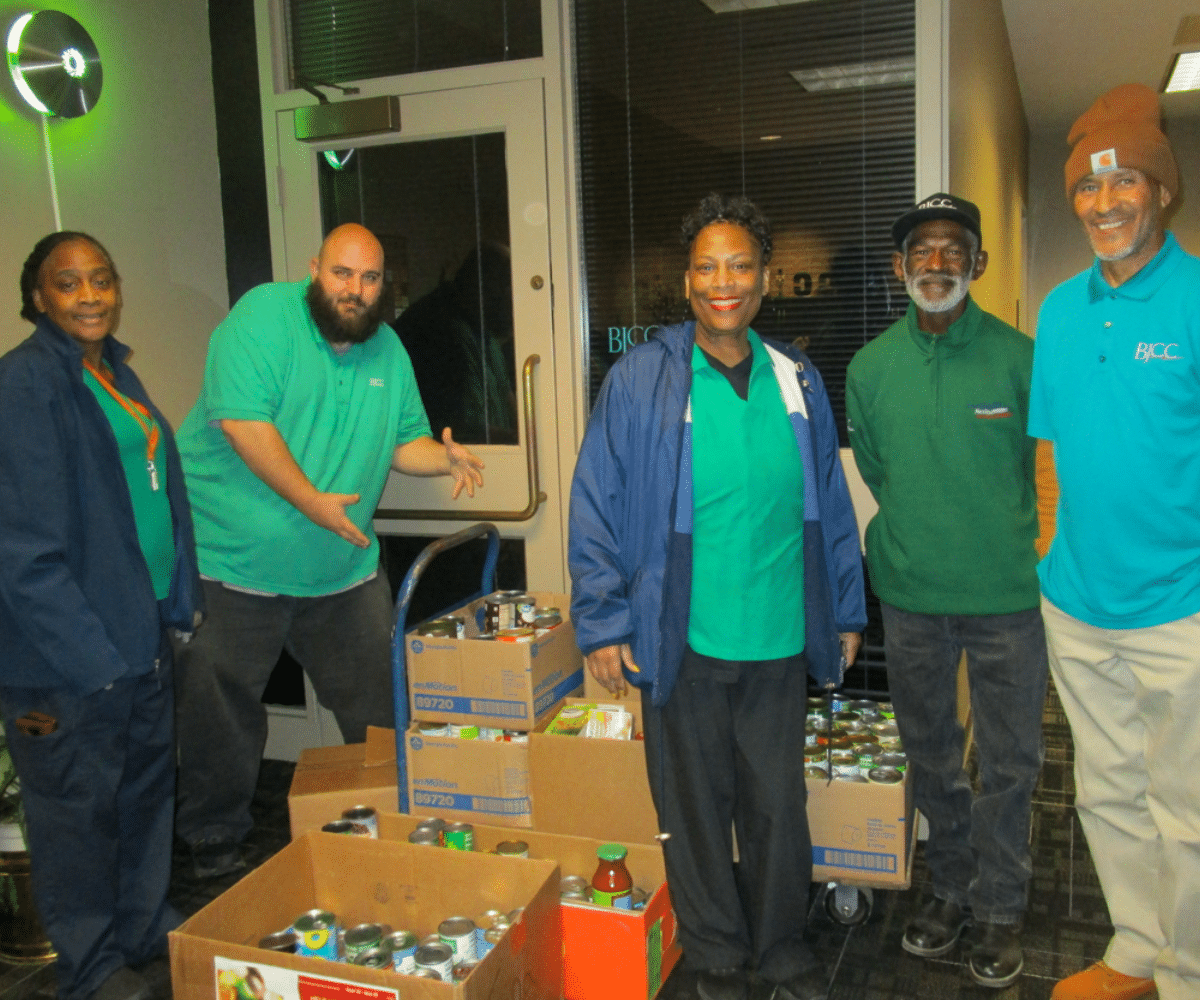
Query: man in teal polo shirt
(1116, 388)
(303, 413)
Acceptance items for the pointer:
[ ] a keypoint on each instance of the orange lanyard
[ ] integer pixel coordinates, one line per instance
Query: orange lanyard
(139, 413)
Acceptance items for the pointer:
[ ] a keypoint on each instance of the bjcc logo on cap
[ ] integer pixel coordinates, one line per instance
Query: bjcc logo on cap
(1104, 160)
(936, 203)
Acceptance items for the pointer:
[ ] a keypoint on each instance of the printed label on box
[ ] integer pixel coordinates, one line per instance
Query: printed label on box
(472, 803)
(859, 860)
(469, 706)
(235, 980)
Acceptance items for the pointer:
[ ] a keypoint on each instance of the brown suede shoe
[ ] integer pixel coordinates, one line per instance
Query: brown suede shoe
(1099, 982)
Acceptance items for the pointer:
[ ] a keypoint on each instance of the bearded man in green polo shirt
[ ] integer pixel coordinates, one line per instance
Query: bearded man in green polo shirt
(304, 412)
(936, 408)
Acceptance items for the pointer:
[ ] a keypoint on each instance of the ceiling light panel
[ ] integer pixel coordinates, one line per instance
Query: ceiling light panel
(885, 72)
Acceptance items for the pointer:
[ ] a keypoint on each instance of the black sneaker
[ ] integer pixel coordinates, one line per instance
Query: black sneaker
(995, 958)
(934, 931)
(214, 858)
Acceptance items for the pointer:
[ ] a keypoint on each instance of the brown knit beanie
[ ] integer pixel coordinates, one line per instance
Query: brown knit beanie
(1121, 130)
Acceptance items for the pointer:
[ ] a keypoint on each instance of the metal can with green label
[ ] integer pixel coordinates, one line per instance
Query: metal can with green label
(360, 938)
(459, 837)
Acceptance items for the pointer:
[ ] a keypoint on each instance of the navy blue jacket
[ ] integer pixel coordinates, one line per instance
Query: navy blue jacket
(631, 566)
(77, 607)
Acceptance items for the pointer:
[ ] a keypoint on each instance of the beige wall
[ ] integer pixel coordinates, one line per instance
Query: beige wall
(1057, 246)
(988, 144)
(140, 173)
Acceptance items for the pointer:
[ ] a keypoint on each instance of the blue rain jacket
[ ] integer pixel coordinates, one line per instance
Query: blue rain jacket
(630, 546)
(77, 607)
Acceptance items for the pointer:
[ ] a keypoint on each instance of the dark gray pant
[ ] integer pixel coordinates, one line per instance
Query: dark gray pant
(978, 846)
(98, 795)
(728, 749)
(343, 642)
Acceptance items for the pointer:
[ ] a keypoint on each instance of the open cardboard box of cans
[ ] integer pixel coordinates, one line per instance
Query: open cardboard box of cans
(608, 953)
(474, 680)
(216, 952)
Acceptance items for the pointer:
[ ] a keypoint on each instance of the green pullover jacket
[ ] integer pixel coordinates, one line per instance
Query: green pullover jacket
(937, 424)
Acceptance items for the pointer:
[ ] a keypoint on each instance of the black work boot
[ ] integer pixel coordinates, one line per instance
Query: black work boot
(934, 931)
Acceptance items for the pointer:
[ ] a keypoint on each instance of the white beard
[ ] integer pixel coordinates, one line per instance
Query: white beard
(958, 291)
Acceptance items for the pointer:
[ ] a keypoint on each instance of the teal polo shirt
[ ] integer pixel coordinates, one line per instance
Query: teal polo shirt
(748, 526)
(151, 508)
(1116, 387)
(341, 416)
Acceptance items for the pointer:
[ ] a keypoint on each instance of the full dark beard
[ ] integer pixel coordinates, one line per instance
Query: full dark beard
(338, 329)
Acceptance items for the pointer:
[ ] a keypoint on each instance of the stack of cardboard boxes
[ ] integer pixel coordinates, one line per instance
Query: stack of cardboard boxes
(512, 686)
(569, 793)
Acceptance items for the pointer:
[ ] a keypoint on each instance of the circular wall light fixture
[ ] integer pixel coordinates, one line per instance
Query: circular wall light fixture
(54, 64)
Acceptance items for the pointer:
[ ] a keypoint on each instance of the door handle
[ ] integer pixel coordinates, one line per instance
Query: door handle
(536, 496)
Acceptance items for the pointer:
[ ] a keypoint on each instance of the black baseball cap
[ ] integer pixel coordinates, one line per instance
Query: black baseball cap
(937, 206)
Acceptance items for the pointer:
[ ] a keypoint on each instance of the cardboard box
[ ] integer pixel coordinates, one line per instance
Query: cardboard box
(501, 684)
(607, 954)
(329, 780)
(593, 788)
(363, 880)
(468, 780)
(861, 834)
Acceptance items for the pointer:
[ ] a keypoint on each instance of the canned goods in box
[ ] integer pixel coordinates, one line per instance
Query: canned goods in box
(574, 884)
(339, 826)
(844, 763)
(360, 938)
(437, 958)
(365, 817)
(526, 609)
(373, 958)
(815, 771)
(885, 776)
(517, 634)
(433, 729)
(402, 944)
(513, 848)
(889, 759)
(317, 934)
(458, 933)
(459, 837)
(284, 941)
(462, 971)
(426, 836)
(437, 629)
(425, 973)
(515, 736)
(868, 755)
(490, 938)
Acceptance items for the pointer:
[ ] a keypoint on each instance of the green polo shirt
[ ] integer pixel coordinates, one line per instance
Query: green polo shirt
(341, 416)
(748, 529)
(151, 508)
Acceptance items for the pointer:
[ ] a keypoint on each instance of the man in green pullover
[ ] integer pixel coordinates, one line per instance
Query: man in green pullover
(936, 407)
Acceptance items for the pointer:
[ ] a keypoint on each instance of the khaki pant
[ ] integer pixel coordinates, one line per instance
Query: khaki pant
(1133, 700)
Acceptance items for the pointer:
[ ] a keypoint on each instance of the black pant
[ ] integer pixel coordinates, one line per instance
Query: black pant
(728, 749)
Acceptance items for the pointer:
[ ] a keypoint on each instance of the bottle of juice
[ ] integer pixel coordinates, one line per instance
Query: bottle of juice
(612, 884)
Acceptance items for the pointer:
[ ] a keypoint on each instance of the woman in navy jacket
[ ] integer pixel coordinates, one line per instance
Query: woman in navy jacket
(97, 562)
(714, 563)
